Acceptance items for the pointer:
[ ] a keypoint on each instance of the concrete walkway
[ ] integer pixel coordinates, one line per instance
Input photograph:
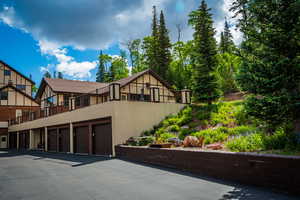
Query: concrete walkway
(36, 176)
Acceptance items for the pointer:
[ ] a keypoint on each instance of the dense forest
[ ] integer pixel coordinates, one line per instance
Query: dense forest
(265, 66)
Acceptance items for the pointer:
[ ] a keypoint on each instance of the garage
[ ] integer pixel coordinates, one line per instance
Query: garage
(13, 140)
(102, 139)
(64, 140)
(24, 140)
(52, 140)
(81, 139)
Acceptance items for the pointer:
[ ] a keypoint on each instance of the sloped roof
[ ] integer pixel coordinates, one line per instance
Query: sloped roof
(28, 79)
(85, 87)
(18, 90)
(69, 86)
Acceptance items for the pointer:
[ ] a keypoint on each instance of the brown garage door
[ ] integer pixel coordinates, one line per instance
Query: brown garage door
(102, 139)
(24, 140)
(52, 140)
(64, 140)
(13, 140)
(81, 139)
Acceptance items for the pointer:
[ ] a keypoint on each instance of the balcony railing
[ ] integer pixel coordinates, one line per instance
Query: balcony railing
(113, 92)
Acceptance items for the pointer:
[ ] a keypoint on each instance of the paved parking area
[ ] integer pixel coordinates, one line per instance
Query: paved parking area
(36, 176)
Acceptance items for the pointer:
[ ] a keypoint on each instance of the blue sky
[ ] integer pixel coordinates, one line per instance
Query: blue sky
(67, 35)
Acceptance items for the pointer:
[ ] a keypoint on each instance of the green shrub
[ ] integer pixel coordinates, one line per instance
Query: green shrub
(225, 114)
(193, 124)
(140, 141)
(144, 141)
(212, 135)
(147, 133)
(248, 143)
(165, 136)
(279, 140)
(203, 115)
(174, 128)
(185, 119)
(241, 115)
(160, 131)
(183, 133)
(242, 130)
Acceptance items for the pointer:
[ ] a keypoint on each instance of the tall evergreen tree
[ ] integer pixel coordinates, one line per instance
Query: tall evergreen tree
(47, 74)
(154, 23)
(60, 75)
(226, 40)
(204, 61)
(270, 69)
(100, 75)
(164, 47)
(151, 45)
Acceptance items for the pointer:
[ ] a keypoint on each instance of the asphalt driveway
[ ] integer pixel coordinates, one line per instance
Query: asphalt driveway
(34, 175)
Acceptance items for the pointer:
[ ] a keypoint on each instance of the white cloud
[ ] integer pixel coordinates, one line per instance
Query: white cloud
(75, 69)
(237, 35)
(66, 64)
(45, 69)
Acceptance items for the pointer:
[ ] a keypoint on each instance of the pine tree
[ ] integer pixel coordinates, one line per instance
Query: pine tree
(60, 75)
(222, 43)
(101, 69)
(270, 67)
(150, 45)
(54, 74)
(164, 47)
(226, 42)
(47, 74)
(154, 23)
(204, 61)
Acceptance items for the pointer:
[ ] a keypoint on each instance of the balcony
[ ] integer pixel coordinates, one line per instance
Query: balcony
(113, 92)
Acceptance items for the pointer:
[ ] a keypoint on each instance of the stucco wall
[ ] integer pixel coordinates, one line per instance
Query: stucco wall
(128, 118)
(132, 118)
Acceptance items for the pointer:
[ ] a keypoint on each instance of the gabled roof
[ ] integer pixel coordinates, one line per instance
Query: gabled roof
(132, 78)
(18, 90)
(69, 86)
(86, 87)
(3, 63)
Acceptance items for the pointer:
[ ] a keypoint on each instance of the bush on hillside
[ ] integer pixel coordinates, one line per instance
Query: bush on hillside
(164, 137)
(251, 142)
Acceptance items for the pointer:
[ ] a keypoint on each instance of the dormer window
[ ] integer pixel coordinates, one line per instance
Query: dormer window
(7, 72)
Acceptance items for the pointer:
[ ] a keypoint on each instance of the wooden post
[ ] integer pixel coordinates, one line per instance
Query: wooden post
(90, 139)
(31, 139)
(185, 96)
(71, 139)
(18, 140)
(46, 139)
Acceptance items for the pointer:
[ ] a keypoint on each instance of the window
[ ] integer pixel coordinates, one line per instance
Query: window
(66, 100)
(3, 95)
(86, 100)
(3, 139)
(18, 113)
(21, 87)
(77, 101)
(7, 72)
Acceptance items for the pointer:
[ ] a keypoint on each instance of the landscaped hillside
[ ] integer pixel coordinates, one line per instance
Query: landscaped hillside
(224, 124)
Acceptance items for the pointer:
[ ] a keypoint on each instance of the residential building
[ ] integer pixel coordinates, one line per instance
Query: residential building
(91, 118)
(15, 98)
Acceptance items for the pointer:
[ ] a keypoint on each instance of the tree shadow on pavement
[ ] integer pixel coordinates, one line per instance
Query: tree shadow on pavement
(238, 192)
(74, 159)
